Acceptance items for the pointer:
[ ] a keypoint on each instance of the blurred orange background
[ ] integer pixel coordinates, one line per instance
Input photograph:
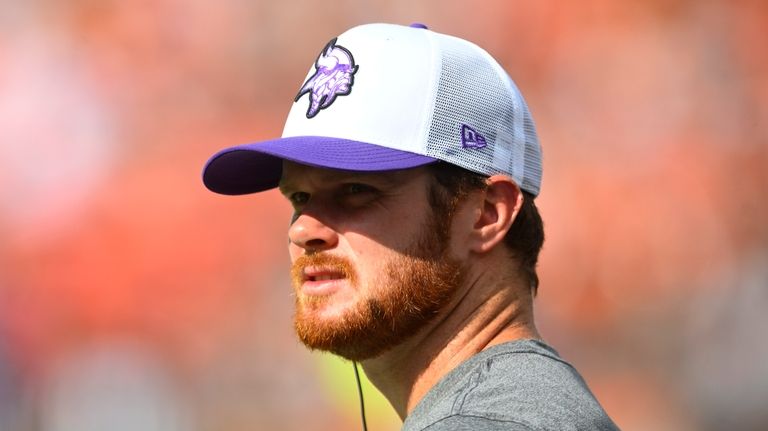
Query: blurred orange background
(131, 298)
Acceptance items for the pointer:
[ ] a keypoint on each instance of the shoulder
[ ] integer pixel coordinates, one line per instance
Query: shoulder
(518, 385)
(476, 423)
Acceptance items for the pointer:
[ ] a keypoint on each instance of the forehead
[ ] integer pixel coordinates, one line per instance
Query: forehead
(295, 175)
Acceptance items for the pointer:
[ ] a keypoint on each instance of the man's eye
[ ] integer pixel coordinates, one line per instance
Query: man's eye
(298, 198)
(356, 188)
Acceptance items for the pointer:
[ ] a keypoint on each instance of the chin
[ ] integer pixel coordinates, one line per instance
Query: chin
(324, 310)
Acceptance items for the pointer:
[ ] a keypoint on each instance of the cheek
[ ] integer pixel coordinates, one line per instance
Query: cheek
(385, 238)
(371, 260)
(362, 249)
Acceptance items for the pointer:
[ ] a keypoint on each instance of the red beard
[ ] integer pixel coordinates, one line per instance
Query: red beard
(411, 291)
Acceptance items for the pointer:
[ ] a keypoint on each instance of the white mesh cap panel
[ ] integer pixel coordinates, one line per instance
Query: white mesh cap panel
(474, 91)
(532, 156)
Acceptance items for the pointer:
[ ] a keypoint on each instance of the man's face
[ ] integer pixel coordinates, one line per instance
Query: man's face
(370, 265)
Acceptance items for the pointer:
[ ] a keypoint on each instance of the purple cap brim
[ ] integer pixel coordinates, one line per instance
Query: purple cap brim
(256, 167)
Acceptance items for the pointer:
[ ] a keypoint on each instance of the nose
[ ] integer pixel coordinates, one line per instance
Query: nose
(311, 233)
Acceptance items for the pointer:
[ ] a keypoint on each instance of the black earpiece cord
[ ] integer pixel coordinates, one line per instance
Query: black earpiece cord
(360, 393)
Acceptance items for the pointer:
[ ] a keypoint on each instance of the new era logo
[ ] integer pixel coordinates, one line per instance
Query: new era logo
(470, 138)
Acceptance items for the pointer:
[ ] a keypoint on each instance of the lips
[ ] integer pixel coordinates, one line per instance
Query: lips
(318, 281)
(322, 274)
(323, 277)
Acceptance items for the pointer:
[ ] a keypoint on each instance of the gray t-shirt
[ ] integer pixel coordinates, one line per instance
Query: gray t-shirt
(521, 385)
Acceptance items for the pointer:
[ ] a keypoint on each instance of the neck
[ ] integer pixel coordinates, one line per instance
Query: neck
(490, 315)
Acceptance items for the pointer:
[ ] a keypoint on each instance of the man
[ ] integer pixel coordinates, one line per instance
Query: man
(412, 162)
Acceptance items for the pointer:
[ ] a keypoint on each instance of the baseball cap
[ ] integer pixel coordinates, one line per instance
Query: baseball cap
(382, 97)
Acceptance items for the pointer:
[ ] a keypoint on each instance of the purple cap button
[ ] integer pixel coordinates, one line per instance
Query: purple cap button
(418, 25)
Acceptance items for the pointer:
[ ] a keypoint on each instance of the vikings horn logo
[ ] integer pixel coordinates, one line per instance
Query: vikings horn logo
(334, 75)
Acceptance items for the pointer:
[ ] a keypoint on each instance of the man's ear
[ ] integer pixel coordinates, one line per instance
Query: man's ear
(500, 205)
